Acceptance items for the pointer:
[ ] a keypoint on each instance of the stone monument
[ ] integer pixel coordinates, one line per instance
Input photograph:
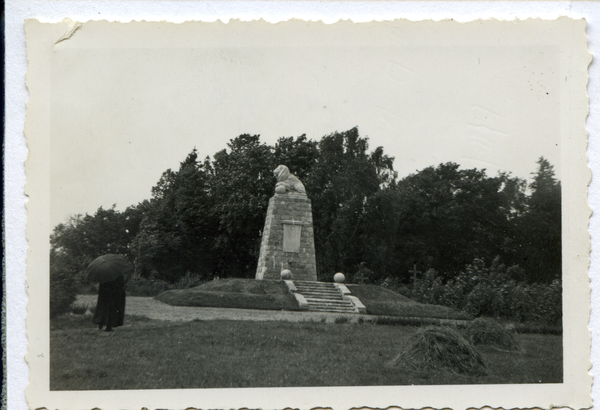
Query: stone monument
(288, 238)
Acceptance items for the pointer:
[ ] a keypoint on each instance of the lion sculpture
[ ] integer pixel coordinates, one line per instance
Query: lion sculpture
(287, 182)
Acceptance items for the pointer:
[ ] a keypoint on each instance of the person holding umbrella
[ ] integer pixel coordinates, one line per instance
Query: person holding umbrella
(109, 271)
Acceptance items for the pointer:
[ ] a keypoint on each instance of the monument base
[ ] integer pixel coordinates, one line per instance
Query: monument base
(288, 239)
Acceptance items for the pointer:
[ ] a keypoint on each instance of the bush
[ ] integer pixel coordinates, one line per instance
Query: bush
(484, 300)
(139, 286)
(491, 292)
(428, 288)
(63, 290)
(187, 281)
(396, 285)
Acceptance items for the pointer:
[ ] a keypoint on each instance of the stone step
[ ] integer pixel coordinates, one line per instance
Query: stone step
(323, 297)
(331, 310)
(303, 289)
(347, 308)
(316, 289)
(324, 300)
(328, 301)
(328, 304)
(324, 292)
(308, 283)
(320, 296)
(316, 292)
(315, 284)
(320, 284)
(320, 292)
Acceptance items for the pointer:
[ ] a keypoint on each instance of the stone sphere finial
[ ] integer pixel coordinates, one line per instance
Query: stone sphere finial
(339, 277)
(286, 274)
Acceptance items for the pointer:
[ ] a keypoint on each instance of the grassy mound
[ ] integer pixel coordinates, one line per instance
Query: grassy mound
(234, 293)
(274, 295)
(249, 286)
(441, 349)
(491, 333)
(381, 301)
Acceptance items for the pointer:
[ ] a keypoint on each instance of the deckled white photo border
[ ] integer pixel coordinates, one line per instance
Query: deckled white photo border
(16, 249)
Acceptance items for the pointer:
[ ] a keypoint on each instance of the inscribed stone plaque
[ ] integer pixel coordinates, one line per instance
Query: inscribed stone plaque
(291, 238)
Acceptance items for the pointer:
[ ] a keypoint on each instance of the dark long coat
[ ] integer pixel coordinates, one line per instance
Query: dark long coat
(110, 309)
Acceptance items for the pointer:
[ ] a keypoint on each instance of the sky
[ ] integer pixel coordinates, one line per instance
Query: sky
(121, 116)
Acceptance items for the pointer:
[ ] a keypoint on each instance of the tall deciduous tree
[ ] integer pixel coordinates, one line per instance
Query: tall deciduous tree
(176, 231)
(299, 155)
(449, 216)
(341, 184)
(84, 238)
(540, 227)
(76, 243)
(242, 182)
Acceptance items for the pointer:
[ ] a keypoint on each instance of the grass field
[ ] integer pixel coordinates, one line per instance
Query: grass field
(148, 354)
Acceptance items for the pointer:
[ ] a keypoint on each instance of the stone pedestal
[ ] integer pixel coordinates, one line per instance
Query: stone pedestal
(288, 239)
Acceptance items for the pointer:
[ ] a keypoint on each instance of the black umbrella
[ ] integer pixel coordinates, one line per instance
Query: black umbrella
(107, 268)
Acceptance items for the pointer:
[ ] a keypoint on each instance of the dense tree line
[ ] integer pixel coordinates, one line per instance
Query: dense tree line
(206, 217)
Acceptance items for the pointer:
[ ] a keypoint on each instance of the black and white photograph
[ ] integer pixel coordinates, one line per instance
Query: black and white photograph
(273, 211)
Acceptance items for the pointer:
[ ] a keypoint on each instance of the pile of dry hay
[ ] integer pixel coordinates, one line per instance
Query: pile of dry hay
(443, 349)
(491, 333)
